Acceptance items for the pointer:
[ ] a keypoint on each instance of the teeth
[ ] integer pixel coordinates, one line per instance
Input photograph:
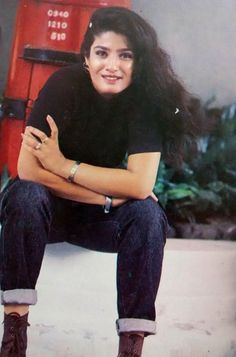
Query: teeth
(110, 77)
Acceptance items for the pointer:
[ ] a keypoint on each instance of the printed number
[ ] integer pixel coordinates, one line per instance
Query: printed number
(52, 24)
(57, 24)
(56, 13)
(56, 36)
(53, 36)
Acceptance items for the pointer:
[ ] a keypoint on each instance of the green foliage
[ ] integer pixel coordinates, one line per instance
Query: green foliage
(206, 185)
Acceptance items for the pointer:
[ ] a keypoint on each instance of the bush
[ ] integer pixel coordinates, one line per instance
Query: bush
(206, 183)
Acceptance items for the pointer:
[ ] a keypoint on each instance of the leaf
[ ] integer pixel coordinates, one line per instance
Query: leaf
(179, 193)
(216, 186)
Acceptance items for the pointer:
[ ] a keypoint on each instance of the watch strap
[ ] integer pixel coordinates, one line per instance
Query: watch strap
(108, 203)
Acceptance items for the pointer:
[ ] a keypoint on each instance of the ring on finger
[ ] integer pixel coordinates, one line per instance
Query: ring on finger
(44, 140)
(37, 147)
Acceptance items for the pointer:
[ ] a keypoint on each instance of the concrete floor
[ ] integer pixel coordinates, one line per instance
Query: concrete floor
(196, 304)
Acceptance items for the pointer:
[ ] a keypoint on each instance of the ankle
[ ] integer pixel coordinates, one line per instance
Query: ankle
(141, 334)
(131, 344)
(17, 309)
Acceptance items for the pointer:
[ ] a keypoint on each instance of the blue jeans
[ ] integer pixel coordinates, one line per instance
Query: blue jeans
(31, 217)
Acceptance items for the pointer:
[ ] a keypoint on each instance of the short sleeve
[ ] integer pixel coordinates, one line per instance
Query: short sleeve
(144, 136)
(53, 99)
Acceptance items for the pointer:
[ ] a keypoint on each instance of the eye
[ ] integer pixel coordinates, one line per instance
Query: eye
(101, 53)
(127, 55)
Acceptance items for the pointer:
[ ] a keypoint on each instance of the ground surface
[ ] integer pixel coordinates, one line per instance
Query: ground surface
(196, 304)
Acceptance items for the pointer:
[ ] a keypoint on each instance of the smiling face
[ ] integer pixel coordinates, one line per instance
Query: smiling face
(110, 63)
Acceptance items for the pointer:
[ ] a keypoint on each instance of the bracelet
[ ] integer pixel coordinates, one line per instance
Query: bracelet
(73, 171)
(108, 203)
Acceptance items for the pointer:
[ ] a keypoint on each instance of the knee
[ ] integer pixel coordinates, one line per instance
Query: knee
(147, 212)
(150, 219)
(25, 196)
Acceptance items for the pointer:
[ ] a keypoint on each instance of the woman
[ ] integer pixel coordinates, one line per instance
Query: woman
(121, 98)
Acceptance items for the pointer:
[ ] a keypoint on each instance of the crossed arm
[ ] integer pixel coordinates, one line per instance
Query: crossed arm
(49, 167)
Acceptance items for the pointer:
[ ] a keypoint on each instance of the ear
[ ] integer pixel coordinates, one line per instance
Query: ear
(86, 64)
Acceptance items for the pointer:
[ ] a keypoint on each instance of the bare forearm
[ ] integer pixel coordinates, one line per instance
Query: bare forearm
(136, 181)
(112, 182)
(64, 189)
(107, 181)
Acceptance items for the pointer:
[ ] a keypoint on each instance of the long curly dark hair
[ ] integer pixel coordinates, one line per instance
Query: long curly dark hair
(157, 88)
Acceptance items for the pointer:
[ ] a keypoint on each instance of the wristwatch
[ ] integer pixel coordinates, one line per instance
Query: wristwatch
(108, 203)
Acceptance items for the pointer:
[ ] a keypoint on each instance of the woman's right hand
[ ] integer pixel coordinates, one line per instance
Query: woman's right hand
(116, 202)
(154, 197)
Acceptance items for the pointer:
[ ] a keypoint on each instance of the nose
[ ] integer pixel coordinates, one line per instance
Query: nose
(112, 64)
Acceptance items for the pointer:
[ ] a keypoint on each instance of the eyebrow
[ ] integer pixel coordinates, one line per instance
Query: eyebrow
(108, 49)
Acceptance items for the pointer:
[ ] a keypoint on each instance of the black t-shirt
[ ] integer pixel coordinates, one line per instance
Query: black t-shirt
(93, 129)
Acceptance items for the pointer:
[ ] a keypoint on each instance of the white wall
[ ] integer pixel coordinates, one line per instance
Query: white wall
(200, 36)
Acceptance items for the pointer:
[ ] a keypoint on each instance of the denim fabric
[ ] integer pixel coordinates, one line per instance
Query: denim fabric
(19, 296)
(31, 217)
(131, 325)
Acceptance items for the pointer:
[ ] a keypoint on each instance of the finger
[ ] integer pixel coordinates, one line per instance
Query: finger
(36, 132)
(27, 132)
(29, 140)
(32, 145)
(37, 146)
(154, 197)
(45, 140)
(30, 149)
(53, 127)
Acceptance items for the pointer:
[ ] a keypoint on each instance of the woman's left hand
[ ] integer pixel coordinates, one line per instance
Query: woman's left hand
(45, 149)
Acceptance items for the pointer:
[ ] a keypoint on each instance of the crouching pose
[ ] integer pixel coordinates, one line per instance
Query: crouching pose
(120, 100)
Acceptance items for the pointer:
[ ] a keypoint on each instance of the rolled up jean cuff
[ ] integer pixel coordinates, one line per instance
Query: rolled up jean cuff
(135, 325)
(19, 296)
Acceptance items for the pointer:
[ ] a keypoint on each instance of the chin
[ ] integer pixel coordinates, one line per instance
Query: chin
(110, 93)
(107, 95)
(114, 91)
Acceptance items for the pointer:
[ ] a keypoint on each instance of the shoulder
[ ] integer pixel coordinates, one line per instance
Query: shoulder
(144, 132)
(65, 78)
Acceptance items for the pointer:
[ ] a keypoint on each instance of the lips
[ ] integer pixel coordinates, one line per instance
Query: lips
(111, 78)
